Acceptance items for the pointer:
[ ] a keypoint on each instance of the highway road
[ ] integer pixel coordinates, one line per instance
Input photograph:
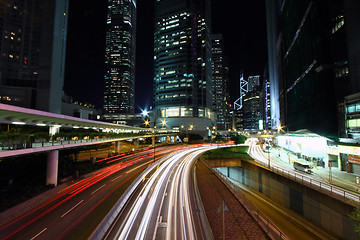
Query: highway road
(313, 180)
(76, 210)
(164, 205)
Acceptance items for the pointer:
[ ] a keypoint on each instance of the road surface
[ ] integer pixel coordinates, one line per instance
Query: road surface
(164, 206)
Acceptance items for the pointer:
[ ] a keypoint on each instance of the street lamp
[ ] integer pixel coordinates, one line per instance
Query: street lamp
(147, 123)
(268, 152)
(163, 122)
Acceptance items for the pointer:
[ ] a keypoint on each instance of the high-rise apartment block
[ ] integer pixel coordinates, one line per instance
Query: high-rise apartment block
(220, 76)
(119, 93)
(33, 48)
(182, 64)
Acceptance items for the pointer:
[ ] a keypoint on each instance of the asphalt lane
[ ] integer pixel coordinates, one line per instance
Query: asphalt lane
(76, 210)
(164, 206)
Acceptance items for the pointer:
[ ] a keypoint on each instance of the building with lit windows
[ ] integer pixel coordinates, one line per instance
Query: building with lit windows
(119, 92)
(313, 50)
(253, 82)
(182, 65)
(220, 76)
(33, 48)
(265, 108)
(251, 105)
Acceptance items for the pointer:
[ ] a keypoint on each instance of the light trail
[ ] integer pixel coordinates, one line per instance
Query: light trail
(172, 179)
(46, 208)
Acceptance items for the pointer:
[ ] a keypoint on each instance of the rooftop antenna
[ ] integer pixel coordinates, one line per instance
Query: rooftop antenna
(244, 88)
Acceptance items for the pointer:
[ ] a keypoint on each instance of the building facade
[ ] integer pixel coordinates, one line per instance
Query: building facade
(265, 107)
(220, 82)
(182, 65)
(251, 105)
(33, 48)
(312, 62)
(119, 91)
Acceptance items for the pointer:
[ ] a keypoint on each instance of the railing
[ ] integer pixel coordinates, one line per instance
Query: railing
(267, 225)
(322, 187)
(11, 147)
(326, 188)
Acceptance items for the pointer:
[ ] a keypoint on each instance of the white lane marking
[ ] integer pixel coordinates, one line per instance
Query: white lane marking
(116, 178)
(136, 168)
(98, 189)
(39, 233)
(72, 208)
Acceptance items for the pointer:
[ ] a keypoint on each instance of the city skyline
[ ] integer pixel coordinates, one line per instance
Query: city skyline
(245, 45)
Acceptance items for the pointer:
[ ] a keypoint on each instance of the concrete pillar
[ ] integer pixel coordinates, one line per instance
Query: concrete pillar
(53, 130)
(136, 142)
(167, 139)
(117, 147)
(52, 168)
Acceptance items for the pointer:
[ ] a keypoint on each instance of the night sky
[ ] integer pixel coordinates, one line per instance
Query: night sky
(242, 23)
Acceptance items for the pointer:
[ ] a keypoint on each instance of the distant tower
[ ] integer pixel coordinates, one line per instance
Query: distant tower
(251, 105)
(33, 48)
(220, 76)
(243, 90)
(119, 93)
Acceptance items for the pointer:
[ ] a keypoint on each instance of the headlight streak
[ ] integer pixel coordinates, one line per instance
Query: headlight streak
(163, 170)
(72, 190)
(140, 217)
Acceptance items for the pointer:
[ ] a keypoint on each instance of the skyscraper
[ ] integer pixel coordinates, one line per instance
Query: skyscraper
(313, 47)
(182, 64)
(251, 104)
(119, 93)
(33, 48)
(220, 76)
(253, 82)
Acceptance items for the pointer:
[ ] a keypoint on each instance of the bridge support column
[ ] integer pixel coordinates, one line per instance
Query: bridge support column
(167, 139)
(117, 147)
(52, 168)
(53, 130)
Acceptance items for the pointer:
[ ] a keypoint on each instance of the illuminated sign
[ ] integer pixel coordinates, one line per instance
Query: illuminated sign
(349, 150)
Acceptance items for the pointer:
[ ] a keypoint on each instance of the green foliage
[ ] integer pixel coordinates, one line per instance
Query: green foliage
(238, 138)
(228, 152)
(355, 215)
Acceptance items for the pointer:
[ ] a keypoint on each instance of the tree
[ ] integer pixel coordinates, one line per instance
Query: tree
(238, 138)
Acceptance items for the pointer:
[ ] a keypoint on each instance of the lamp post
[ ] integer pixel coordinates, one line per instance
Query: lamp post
(154, 132)
(268, 153)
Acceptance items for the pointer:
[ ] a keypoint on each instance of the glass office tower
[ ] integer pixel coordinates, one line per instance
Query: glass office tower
(220, 76)
(119, 93)
(33, 49)
(182, 64)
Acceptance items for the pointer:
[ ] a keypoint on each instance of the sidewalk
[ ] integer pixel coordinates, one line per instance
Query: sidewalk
(332, 176)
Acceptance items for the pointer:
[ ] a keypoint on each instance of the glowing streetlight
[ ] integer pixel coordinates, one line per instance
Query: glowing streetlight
(147, 123)
(163, 122)
(145, 113)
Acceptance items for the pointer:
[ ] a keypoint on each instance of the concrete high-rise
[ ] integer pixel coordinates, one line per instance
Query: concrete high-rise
(119, 93)
(182, 65)
(33, 48)
(220, 76)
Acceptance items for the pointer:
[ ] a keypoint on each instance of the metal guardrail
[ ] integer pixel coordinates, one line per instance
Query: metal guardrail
(326, 188)
(322, 187)
(65, 142)
(266, 224)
